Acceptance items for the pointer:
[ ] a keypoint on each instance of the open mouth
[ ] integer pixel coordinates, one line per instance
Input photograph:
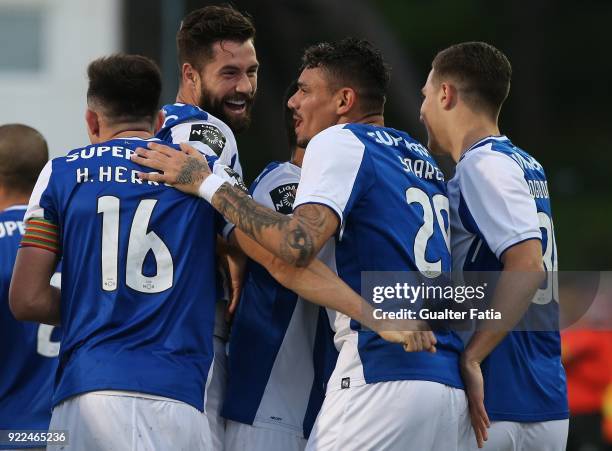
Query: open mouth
(236, 106)
(296, 122)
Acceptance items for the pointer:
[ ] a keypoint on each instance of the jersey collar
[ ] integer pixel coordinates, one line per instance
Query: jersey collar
(481, 141)
(16, 207)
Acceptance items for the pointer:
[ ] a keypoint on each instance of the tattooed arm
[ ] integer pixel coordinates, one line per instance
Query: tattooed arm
(295, 239)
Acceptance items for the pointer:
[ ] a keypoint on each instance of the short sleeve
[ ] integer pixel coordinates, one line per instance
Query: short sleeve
(497, 196)
(211, 138)
(41, 219)
(276, 189)
(330, 171)
(41, 205)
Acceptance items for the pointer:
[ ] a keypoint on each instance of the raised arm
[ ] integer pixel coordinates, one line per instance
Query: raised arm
(295, 239)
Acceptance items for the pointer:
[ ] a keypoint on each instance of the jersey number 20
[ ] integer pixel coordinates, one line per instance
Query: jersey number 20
(425, 232)
(140, 242)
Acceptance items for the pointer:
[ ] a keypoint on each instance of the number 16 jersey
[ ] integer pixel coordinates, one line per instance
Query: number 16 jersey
(138, 282)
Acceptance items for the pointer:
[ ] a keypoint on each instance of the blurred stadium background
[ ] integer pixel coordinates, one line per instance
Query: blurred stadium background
(558, 107)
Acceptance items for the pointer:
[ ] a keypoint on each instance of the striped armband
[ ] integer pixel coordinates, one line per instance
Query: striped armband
(41, 233)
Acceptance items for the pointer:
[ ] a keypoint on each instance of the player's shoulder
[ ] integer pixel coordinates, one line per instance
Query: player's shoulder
(497, 153)
(276, 186)
(176, 113)
(334, 142)
(184, 122)
(275, 174)
(13, 213)
(375, 137)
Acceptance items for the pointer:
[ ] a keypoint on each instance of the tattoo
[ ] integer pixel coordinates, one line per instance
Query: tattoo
(291, 238)
(191, 172)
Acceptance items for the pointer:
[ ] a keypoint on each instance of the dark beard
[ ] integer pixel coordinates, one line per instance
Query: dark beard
(237, 124)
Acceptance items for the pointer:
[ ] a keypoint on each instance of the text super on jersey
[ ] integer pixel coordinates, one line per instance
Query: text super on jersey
(138, 292)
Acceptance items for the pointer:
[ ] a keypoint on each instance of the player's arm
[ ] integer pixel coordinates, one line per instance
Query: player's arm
(31, 296)
(318, 284)
(296, 239)
(497, 195)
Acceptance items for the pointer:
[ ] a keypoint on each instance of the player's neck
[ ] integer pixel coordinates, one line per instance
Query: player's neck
(9, 199)
(470, 133)
(186, 97)
(142, 131)
(297, 157)
(366, 118)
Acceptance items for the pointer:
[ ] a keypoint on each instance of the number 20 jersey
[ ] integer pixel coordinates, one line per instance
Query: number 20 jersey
(138, 291)
(381, 184)
(499, 198)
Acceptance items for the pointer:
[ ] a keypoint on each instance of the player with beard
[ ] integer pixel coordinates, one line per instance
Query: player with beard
(217, 88)
(358, 192)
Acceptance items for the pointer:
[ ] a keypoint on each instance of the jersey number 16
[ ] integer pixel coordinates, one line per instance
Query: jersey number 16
(140, 242)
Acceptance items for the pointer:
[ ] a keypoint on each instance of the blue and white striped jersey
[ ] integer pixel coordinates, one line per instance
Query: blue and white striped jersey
(281, 350)
(390, 198)
(499, 198)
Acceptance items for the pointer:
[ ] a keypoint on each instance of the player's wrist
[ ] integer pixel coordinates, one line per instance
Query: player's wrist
(210, 186)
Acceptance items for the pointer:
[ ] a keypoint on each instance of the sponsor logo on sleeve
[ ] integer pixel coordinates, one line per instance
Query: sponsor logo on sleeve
(237, 180)
(208, 134)
(283, 197)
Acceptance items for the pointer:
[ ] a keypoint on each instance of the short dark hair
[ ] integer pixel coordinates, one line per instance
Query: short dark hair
(288, 115)
(354, 63)
(126, 87)
(23, 154)
(201, 28)
(482, 72)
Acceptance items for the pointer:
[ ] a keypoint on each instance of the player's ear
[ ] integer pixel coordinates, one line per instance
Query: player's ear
(447, 95)
(93, 124)
(159, 121)
(345, 101)
(189, 75)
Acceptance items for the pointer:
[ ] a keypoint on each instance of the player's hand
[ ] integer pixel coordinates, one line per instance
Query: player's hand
(236, 264)
(418, 338)
(474, 387)
(184, 170)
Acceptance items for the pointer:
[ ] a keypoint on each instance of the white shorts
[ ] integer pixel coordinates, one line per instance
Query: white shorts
(540, 436)
(215, 394)
(108, 421)
(397, 415)
(240, 437)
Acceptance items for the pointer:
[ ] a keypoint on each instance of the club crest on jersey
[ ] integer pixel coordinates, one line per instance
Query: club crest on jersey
(283, 197)
(209, 135)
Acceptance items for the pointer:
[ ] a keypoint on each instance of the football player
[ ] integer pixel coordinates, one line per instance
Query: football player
(28, 350)
(218, 83)
(380, 197)
(137, 318)
(276, 381)
(501, 221)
